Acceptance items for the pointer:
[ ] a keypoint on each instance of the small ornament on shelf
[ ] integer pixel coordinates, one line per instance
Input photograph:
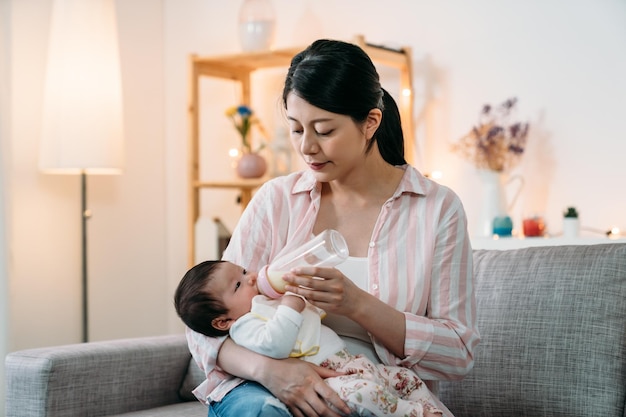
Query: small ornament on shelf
(281, 153)
(502, 226)
(534, 226)
(256, 25)
(571, 223)
(251, 165)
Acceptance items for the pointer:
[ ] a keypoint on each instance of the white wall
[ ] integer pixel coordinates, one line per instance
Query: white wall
(5, 13)
(564, 59)
(126, 235)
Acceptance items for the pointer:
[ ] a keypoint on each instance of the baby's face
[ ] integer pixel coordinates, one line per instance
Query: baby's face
(236, 287)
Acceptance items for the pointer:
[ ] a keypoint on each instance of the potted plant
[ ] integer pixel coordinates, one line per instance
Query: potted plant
(250, 164)
(571, 225)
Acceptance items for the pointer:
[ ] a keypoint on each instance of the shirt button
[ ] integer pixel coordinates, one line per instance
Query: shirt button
(375, 287)
(372, 244)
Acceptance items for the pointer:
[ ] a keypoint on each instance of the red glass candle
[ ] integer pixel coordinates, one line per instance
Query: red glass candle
(533, 227)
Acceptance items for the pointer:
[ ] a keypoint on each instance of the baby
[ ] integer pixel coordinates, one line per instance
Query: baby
(219, 298)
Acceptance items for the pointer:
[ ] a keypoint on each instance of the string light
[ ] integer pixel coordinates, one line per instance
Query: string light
(614, 233)
(436, 175)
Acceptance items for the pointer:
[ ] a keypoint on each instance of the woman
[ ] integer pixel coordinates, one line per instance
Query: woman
(405, 295)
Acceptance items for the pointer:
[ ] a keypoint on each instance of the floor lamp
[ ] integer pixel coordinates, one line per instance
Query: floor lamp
(82, 129)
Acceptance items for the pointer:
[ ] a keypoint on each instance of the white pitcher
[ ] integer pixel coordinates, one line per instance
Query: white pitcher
(494, 203)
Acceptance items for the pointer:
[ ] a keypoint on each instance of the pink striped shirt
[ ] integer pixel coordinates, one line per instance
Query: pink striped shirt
(420, 262)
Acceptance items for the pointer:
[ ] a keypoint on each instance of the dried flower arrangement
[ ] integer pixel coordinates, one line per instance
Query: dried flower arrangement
(496, 144)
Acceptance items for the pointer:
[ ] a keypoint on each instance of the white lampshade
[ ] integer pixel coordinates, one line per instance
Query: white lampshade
(82, 118)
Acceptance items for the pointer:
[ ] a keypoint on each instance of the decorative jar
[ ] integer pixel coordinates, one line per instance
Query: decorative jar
(256, 25)
(251, 165)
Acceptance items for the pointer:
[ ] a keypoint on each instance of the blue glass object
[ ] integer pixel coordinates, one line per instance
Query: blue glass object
(502, 226)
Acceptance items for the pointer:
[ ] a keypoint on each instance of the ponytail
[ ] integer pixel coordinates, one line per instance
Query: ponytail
(389, 136)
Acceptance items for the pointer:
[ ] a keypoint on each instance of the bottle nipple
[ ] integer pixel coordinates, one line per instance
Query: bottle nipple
(271, 284)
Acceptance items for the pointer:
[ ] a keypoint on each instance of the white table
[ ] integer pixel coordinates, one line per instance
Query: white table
(504, 243)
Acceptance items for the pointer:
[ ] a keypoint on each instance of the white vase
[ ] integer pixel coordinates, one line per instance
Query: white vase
(256, 25)
(494, 199)
(571, 227)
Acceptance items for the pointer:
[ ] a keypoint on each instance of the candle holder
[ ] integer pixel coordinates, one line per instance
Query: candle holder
(256, 25)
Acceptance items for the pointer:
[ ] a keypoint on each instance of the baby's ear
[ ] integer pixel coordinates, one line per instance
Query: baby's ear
(221, 323)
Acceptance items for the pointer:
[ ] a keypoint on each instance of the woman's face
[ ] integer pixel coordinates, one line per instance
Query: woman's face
(330, 144)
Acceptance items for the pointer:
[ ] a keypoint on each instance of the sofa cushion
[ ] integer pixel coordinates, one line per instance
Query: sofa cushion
(194, 377)
(553, 329)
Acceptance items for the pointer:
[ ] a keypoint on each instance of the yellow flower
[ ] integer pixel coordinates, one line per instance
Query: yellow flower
(231, 111)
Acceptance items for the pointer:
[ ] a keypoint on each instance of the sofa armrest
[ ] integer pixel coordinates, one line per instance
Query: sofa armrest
(98, 378)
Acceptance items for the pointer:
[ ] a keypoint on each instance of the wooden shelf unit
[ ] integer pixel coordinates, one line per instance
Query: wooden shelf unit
(239, 68)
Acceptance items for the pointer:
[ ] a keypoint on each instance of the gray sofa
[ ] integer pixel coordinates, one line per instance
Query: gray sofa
(552, 321)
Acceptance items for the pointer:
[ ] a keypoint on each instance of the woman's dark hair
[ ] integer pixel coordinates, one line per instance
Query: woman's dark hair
(194, 304)
(340, 77)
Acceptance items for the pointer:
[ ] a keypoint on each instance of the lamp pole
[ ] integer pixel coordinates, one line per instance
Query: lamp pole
(85, 214)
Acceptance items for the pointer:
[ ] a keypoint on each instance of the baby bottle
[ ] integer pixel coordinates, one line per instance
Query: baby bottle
(327, 249)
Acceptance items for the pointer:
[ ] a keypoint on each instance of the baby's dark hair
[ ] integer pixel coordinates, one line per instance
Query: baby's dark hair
(194, 305)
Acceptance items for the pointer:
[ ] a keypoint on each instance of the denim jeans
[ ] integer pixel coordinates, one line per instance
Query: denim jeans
(249, 399)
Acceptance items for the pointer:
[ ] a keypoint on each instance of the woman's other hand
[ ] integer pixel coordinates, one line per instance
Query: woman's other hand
(300, 386)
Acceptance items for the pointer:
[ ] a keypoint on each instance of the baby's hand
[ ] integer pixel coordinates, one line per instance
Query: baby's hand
(293, 301)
